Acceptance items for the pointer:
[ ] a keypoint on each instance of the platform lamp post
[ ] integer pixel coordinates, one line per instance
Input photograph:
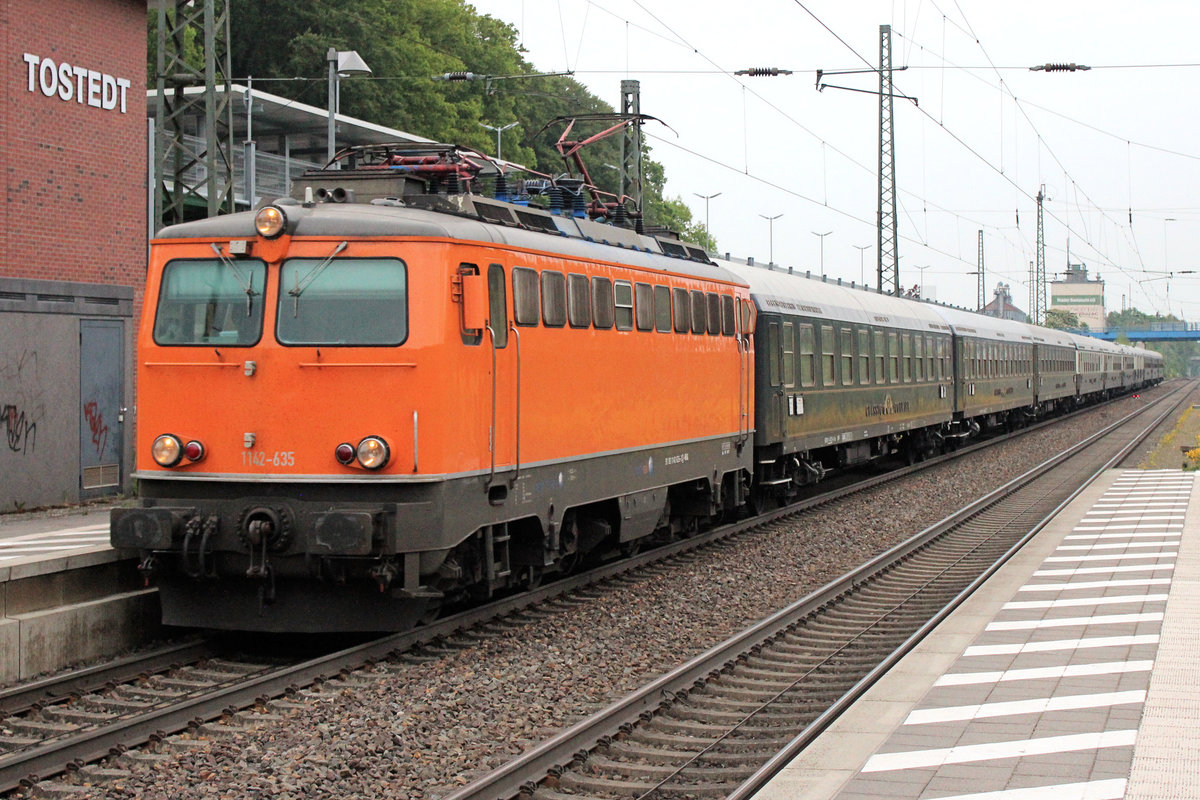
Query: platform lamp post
(706, 198)
(498, 131)
(862, 269)
(342, 64)
(822, 236)
(771, 236)
(921, 285)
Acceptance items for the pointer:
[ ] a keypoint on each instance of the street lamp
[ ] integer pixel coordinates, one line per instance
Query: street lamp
(822, 236)
(862, 270)
(706, 198)
(771, 236)
(342, 63)
(498, 132)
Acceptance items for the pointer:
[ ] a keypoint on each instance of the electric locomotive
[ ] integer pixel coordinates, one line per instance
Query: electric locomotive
(387, 394)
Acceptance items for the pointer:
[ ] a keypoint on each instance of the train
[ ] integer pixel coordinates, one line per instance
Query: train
(393, 392)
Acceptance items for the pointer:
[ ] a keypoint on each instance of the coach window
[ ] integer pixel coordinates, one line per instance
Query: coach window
(929, 357)
(211, 302)
(579, 305)
(643, 293)
(728, 323)
(880, 358)
(893, 358)
(662, 309)
(827, 361)
(602, 303)
(623, 291)
(682, 305)
(714, 313)
(805, 348)
(787, 355)
(324, 301)
(846, 342)
(919, 357)
(864, 357)
(554, 299)
(525, 296)
(699, 312)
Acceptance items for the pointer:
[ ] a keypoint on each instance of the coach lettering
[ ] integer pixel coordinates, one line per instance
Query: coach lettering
(71, 82)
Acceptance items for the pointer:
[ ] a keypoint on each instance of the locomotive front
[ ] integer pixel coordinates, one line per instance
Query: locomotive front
(285, 384)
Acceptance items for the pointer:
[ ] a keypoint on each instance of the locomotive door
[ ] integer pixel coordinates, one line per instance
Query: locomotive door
(504, 430)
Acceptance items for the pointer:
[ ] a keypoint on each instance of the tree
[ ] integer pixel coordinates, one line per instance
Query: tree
(409, 46)
(1064, 320)
(1176, 355)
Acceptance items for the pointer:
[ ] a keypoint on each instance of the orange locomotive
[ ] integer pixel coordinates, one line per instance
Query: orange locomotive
(351, 413)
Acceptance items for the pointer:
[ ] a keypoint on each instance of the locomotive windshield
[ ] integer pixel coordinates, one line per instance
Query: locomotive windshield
(343, 301)
(210, 302)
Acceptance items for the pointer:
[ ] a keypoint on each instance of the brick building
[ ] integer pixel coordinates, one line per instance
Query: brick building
(73, 136)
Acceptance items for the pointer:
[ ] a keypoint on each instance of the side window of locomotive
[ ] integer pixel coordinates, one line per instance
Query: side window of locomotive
(344, 301)
(714, 313)
(602, 303)
(525, 296)
(727, 316)
(787, 355)
(624, 299)
(579, 303)
(699, 312)
(662, 309)
(805, 348)
(682, 305)
(827, 362)
(847, 344)
(554, 299)
(643, 294)
(211, 302)
(497, 305)
(864, 357)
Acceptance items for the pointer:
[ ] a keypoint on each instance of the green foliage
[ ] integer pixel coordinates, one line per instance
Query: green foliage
(408, 44)
(1064, 320)
(1176, 355)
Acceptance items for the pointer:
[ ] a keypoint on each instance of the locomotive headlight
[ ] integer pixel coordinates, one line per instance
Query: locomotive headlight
(167, 450)
(270, 221)
(373, 452)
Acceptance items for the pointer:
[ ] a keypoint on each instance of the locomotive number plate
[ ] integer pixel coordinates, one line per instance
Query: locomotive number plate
(261, 458)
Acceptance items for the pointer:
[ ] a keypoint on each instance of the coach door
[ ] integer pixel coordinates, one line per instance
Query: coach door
(101, 383)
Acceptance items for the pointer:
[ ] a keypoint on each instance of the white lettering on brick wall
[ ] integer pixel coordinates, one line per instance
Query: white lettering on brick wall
(70, 82)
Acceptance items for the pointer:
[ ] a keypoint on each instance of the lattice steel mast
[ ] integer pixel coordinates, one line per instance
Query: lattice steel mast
(981, 283)
(888, 272)
(202, 172)
(1038, 290)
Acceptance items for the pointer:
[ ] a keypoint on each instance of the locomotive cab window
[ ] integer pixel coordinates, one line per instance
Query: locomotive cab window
(211, 302)
(343, 301)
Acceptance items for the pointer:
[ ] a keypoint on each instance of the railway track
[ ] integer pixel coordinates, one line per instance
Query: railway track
(65, 724)
(723, 724)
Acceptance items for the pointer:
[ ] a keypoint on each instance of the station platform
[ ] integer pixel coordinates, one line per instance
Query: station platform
(1072, 674)
(66, 596)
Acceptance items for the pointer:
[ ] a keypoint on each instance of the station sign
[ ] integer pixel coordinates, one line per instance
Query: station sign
(74, 83)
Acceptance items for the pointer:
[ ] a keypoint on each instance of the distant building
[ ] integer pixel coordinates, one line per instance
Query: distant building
(1082, 297)
(1002, 305)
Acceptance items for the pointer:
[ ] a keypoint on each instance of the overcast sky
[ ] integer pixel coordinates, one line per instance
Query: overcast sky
(1119, 141)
